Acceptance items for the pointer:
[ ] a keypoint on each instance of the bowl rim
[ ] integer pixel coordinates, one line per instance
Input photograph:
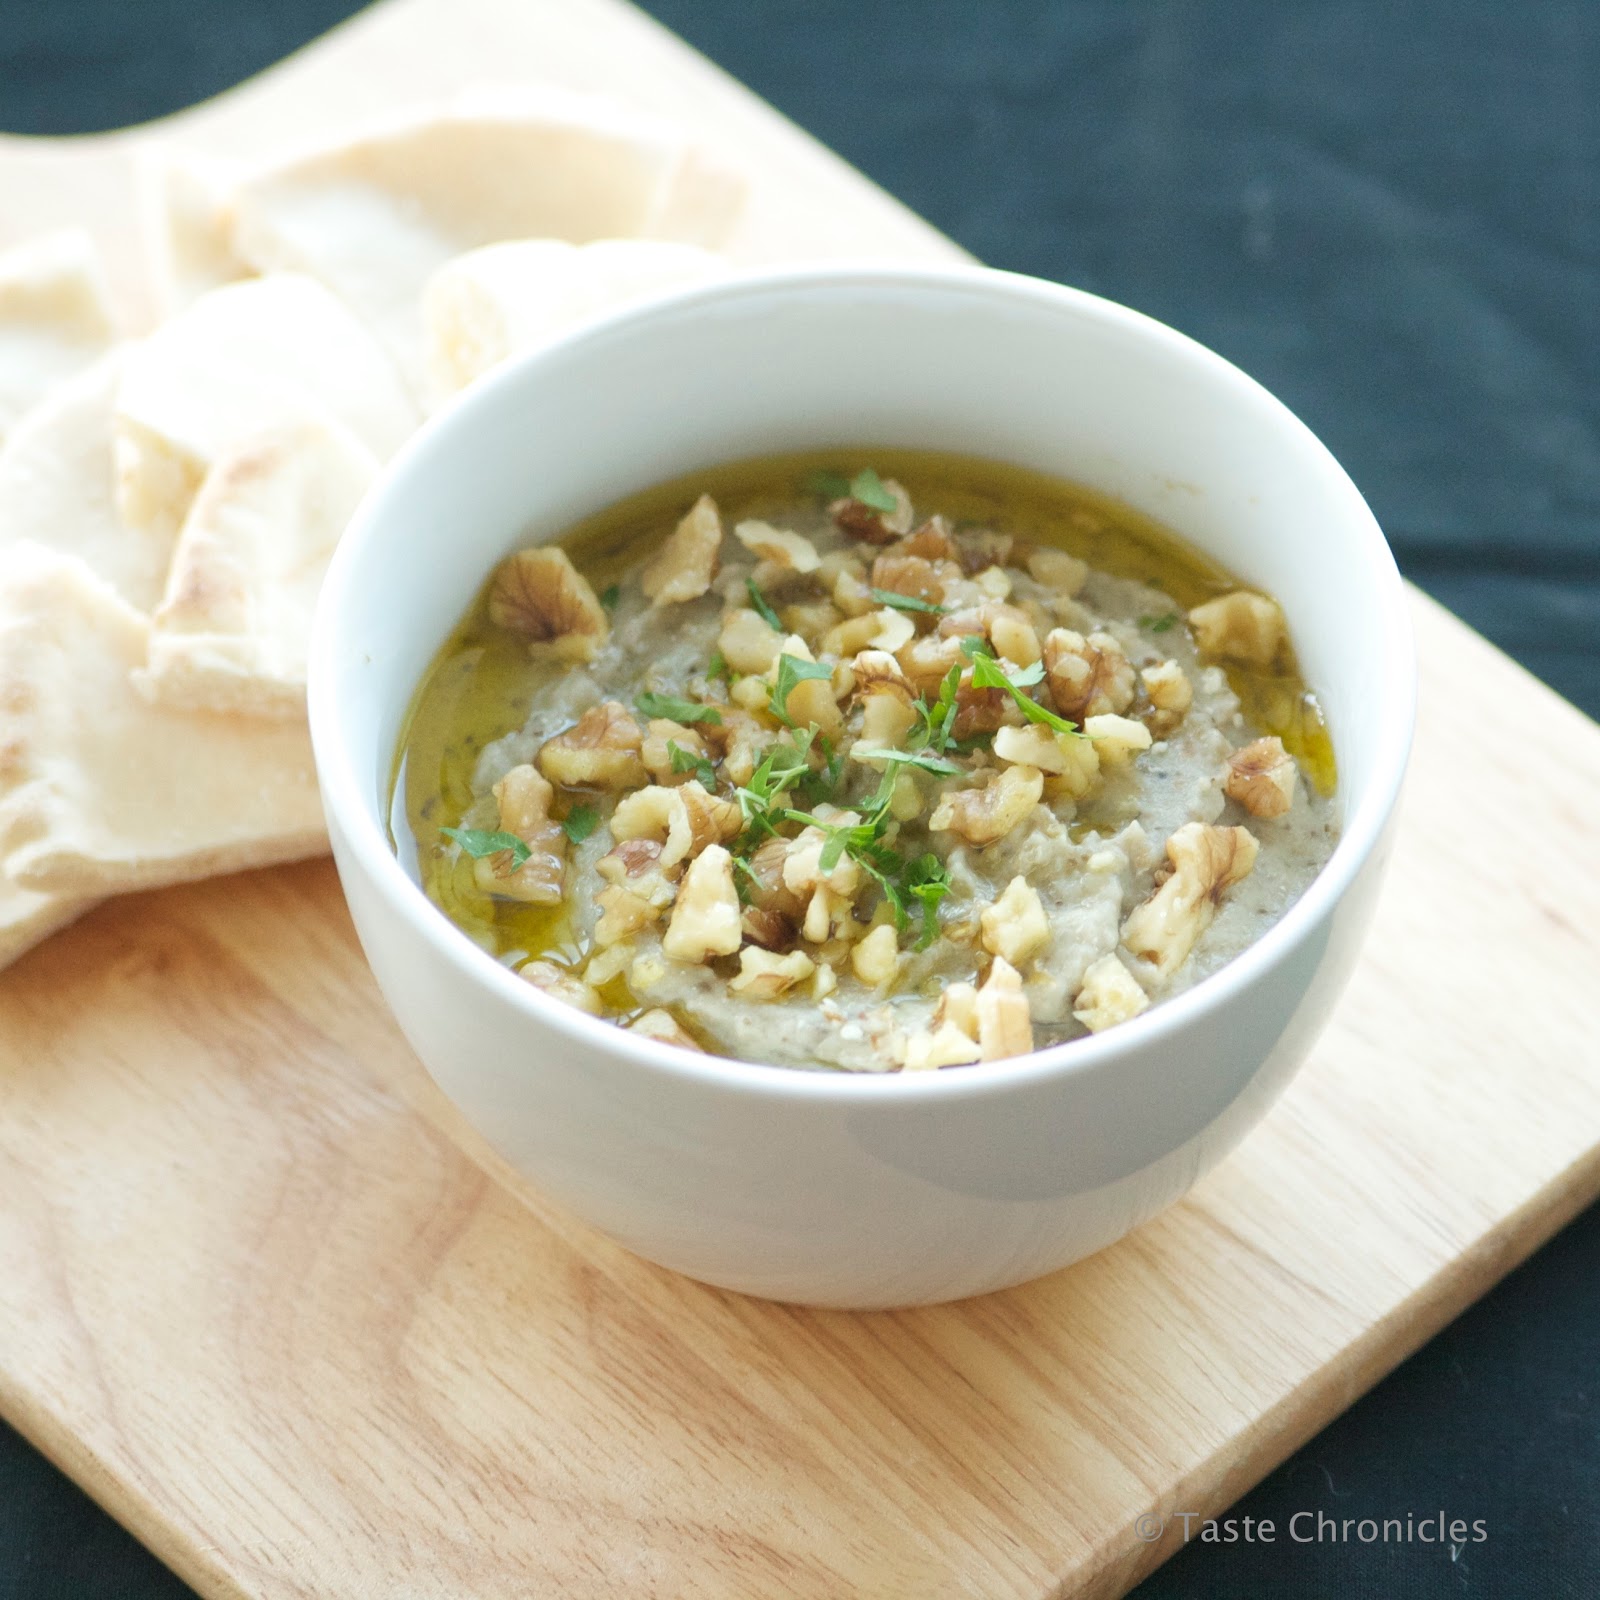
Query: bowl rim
(365, 840)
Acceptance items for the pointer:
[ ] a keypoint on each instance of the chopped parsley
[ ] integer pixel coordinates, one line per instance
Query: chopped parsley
(828, 485)
(987, 673)
(675, 709)
(1158, 624)
(927, 880)
(610, 595)
(907, 602)
(939, 718)
(778, 770)
(763, 610)
(480, 842)
(692, 761)
(868, 488)
(718, 667)
(923, 760)
(579, 823)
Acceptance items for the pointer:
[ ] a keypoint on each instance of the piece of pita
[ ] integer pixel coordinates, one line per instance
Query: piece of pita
(242, 361)
(184, 225)
(508, 298)
(56, 487)
(232, 630)
(54, 317)
(102, 791)
(375, 218)
(27, 918)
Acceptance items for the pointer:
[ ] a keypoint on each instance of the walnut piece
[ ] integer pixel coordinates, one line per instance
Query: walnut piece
(539, 594)
(561, 985)
(811, 701)
(599, 751)
(1005, 1025)
(1207, 861)
(1015, 926)
(783, 548)
(1117, 740)
(931, 541)
(664, 1028)
(1087, 677)
(958, 1006)
(886, 699)
(1240, 627)
(683, 820)
(1171, 694)
(1110, 994)
(623, 914)
(876, 958)
(656, 752)
(764, 976)
(927, 661)
(1062, 755)
(682, 569)
(980, 816)
(524, 800)
(913, 576)
(861, 521)
(945, 1046)
(1262, 777)
(705, 916)
(1055, 569)
(748, 642)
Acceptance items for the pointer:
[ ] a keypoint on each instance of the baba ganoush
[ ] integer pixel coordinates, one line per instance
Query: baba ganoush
(873, 764)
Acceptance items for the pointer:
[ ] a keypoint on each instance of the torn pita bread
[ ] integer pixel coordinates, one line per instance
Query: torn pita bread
(56, 487)
(374, 218)
(27, 918)
(54, 317)
(100, 790)
(508, 298)
(187, 235)
(241, 361)
(231, 633)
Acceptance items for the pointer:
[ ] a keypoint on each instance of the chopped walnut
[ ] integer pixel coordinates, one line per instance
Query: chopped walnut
(811, 618)
(705, 916)
(682, 569)
(682, 820)
(765, 881)
(600, 751)
(994, 583)
(764, 976)
(958, 1006)
(852, 594)
(1055, 754)
(712, 820)
(1110, 994)
(1117, 740)
(782, 547)
(1240, 627)
(944, 1046)
(741, 738)
(802, 862)
(748, 642)
(1171, 694)
(665, 1028)
(983, 547)
(982, 710)
(539, 594)
(931, 541)
(561, 985)
(811, 701)
(1015, 925)
(1206, 862)
(980, 816)
(886, 699)
(1055, 569)
(909, 575)
(769, 929)
(927, 661)
(1005, 1025)
(876, 959)
(1012, 635)
(1087, 677)
(1262, 778)
(864, 522)
(623, 914)
(524, 801)
(633, 858)
(655, 750)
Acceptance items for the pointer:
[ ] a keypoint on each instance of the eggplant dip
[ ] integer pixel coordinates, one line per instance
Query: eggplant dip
(889, 767)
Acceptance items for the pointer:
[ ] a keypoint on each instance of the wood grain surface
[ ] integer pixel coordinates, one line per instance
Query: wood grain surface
(273, 1306)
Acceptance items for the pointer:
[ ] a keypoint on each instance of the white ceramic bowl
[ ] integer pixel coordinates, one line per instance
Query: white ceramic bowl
(822, 1187)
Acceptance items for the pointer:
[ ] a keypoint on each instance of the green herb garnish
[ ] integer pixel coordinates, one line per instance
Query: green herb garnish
(867, 487)
(765, 611)
(579, 823)
(479, 842)
(907, 602)
(778, 770)
(674, 709)
(923, 760)
(610, 595)
(928, 881)
(987, 673)
(718, 667)
(692, 761)
(1158, 624)
(939, 718)
(828, 485)
(792, 672)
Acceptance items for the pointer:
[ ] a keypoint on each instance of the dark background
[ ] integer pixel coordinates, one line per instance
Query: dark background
(1390, 214)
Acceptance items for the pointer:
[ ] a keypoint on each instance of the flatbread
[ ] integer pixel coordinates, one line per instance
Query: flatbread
(56, 487)
(184, 224)
(231, 632)
(375, 218)
(508, 298)
(54, 317)
(27, 918)
(242, 361)
(101, 791)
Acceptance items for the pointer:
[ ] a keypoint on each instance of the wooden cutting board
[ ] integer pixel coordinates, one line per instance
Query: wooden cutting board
(257, 1300)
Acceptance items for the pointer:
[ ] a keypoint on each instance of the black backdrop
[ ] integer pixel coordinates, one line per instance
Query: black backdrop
(1390, 214)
